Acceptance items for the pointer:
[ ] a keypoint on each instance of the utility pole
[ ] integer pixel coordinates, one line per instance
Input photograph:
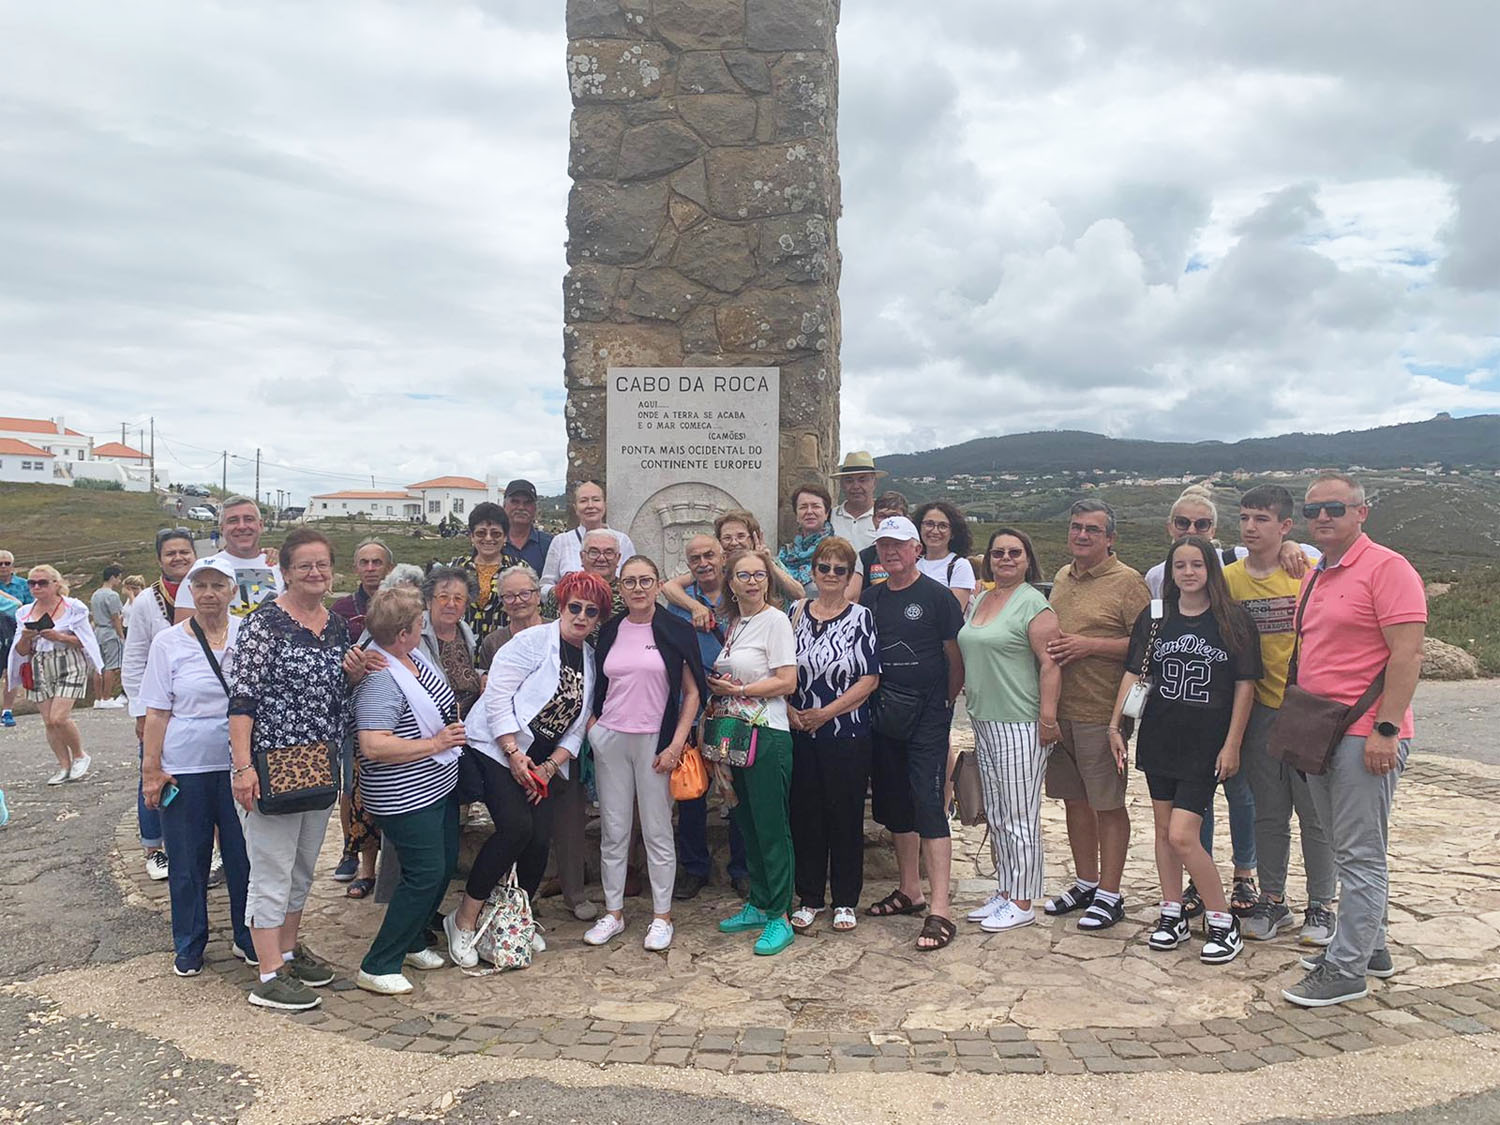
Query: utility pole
(224, 473)
(153, 453)
(122, 434)
(256, 493)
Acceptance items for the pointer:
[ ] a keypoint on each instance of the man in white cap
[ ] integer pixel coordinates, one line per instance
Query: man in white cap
(854, 519)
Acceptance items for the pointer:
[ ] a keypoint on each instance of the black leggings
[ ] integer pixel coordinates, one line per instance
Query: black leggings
(523, 831)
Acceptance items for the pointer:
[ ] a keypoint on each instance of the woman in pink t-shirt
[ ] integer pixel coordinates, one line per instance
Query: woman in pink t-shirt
(646, 693)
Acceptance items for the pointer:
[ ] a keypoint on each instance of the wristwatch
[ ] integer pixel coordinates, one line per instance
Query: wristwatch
(1387, 730)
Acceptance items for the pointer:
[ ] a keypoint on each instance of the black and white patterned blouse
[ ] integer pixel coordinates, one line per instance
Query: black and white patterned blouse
(290, 681)
(831, 656)
(387, 788)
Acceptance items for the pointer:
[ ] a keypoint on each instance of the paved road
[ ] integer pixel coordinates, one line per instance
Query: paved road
(64, 911)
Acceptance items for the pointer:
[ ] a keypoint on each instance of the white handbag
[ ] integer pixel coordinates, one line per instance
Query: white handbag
(506, 927)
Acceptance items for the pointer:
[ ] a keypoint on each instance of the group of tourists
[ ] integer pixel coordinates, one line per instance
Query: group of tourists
(537, 672)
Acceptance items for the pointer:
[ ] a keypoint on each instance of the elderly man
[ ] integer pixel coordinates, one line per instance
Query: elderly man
(14, 593)
(257, 572)
(854, 519)
(708, 594)
(151, 613)
(1362, 613)
(527, 541)
(1096, 598)
(372, 562)
(887, 504)
(489, 532)
(917, 623)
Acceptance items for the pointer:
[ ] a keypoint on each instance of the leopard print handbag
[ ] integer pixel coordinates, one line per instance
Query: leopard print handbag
(296, 779)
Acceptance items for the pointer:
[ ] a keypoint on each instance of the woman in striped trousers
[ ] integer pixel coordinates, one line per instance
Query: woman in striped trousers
(1010, 690)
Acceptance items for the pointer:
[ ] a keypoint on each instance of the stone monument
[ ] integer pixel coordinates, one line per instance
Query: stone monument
(701, 223)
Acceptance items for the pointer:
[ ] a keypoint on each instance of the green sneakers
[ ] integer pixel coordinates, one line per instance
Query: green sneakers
(285, 993)
(774, 938)
(749, 918)
(308, 969)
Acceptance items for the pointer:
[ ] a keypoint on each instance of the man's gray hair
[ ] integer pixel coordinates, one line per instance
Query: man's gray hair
(1356, 490)
(523, 569)
(603, 533)
(438, 575)
(376, 541)
(237, 501)
(1084, 507)
(403, 574)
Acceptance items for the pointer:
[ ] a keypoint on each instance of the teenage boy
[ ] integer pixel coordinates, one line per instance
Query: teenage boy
(1262, 585)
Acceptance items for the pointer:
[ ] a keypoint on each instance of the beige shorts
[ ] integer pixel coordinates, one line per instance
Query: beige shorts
(1082, 767)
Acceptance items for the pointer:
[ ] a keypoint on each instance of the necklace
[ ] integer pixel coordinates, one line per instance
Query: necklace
(218, 639)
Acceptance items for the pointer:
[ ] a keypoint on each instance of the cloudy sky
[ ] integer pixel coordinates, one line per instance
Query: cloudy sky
(336, 231)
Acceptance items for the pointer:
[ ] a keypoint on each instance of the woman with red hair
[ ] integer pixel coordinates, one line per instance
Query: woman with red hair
(525, 730)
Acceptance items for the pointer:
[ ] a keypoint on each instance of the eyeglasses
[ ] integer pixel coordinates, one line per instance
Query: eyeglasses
(597, 553)
(934, 525)
(487, 533)
(305, 569)
(1008, 553)
(751, 575)
(38, 581)
(1182, 523)
(1086, 529)
(515, 599)
(582, 609)
(1334, 508)
(644, 582)
(450, 599)
(838, 571)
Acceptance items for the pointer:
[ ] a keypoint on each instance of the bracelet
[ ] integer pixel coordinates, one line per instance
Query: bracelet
(241, 769)
(1116, 730)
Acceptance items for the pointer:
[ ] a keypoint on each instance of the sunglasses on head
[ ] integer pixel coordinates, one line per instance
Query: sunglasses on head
(838, 570)
(583, 609)
(1008, 553)
(1182, 523)
(1334, 508)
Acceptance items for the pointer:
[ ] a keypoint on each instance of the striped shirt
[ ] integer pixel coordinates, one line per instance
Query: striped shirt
(386, 789)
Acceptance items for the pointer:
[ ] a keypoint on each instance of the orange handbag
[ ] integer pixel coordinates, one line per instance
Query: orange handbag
(689, 780)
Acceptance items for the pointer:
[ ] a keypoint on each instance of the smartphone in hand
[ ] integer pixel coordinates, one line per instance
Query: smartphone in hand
(168, 794)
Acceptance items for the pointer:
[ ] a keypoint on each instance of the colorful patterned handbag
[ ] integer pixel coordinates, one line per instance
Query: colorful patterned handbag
(506, 927)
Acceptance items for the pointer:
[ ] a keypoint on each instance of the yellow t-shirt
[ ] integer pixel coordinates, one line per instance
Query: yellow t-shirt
(1272, 605)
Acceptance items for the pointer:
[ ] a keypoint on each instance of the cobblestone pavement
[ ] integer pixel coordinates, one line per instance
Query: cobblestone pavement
(1045, 999)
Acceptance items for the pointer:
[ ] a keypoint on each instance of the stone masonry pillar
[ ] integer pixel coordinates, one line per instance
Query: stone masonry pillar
(701, 223)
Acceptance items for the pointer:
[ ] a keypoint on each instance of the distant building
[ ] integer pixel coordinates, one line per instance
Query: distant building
(24, 463)
(396, 507)
(445, 496)
(116, 461)
(54, 440)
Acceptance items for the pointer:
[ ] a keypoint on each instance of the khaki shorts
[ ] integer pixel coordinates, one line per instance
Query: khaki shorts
(1082, 767)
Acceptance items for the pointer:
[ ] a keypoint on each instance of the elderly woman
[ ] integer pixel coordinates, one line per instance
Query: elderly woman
(811, 504)
(1011, 689)
(521, 594)
(566, 553)
(186, 762)
(755, 672)
(838, 666)
(54, 637)
(409, 745)
(646, 693)
(293, 672)
(447, 640)
(526, 730)
(946, 543)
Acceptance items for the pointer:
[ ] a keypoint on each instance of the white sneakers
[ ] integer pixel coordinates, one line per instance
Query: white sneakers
(425, 959)
(605, 929)
(58, 778)
(156, 865)
(658, 936)
(460, 943)
(995, 902)
(108, 704)
(384, 984)
(1008, 917)
(79, 767)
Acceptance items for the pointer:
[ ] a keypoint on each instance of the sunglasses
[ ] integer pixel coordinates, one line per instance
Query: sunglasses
(1182, 523)
(582, 609)
(487, 533)
(633, 583)
(1008, 553)
(38, 581)
(837, 570)
(1335, 508)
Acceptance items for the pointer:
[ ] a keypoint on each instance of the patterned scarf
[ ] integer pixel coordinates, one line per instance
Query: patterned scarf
(166, 600)
(797, 555)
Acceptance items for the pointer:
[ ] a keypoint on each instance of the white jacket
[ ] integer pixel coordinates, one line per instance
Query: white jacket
(75, 619)
(143, 620)
(522, 681)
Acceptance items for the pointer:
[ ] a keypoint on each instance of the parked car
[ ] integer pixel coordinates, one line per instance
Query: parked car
(194, 490)
(201, 512)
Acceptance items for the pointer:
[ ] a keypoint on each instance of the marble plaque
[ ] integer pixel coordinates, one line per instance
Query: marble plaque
(685, 445)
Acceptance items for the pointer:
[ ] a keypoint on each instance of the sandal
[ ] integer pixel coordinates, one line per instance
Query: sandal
(893, 904)
(360, 888)
(1102, 915)
(1245, 895)
(1074, 898)
(937, 930)
(1192, 901)
(844, 918)
(804, 916)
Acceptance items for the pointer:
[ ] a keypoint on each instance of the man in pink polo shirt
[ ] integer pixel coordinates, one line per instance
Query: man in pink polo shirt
(1366, 610)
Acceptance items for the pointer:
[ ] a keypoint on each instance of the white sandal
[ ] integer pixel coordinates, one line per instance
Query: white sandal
(804, 916)
(844, 918)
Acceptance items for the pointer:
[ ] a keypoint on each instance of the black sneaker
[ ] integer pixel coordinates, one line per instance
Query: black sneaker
(1223, 944)
(1171, 931)
(688, 885)
(1102, 915)
(1380, 967)
(1267, 919)
(1192, 902)
(1076, 897)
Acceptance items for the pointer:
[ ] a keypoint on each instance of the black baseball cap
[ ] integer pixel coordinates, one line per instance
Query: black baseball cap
(516, 487)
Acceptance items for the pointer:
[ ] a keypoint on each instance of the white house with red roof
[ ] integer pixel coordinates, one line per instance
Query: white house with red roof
(51, 441)
(427, 501)
(450, 496)
(24, 463)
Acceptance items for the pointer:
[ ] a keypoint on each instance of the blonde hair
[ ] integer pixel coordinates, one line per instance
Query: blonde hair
(53, 573)
(391, 611)
(136, 580)
(1200, 494)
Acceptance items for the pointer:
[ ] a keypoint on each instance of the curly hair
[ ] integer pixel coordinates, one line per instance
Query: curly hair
(961, 539)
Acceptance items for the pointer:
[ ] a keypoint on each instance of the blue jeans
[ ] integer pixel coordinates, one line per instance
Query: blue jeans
(204, 802)
(692, 841)
(148, 820)
(1241, 821)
